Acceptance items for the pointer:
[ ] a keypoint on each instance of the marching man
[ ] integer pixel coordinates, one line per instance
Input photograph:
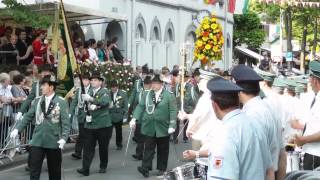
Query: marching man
(51, 132)
(159, 110)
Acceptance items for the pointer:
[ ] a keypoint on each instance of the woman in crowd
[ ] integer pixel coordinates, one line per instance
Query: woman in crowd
(101, 52)
(85, 51)
(109, 53)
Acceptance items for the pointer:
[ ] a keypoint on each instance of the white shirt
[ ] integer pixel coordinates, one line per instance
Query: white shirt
(312, 127)
(93, 55)
(96, 90)
(203, 118)
(115, 95)
(158, 94)
(48, 100)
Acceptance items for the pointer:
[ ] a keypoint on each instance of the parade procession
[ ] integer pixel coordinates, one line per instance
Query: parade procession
(224, 90)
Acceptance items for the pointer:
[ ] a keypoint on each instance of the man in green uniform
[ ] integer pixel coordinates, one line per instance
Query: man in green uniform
(158, 112)
(78, 112)
(118, 111)
(134, 97)
(45, 70)
(147, 84)
(98, 126)
(52, 127)
(190, 99)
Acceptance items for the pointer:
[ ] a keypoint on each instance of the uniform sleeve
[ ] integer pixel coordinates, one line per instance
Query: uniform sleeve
(27, 118)
(65, 122)
(25, 105)
(173, 111)
(140, 108)
(125, 104)
(133, 94)
(103, 99)
(74, 102)
(224, 161)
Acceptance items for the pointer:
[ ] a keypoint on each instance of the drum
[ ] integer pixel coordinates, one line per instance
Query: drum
(184, 172)
(200, 171)
(293, 161)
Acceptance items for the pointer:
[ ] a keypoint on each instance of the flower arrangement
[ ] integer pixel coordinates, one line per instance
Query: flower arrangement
(123, 73)
(210, 41)
(210, 1)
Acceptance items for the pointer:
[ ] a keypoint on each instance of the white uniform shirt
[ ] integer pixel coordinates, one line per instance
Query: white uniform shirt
(274, 102)
(237, 155)
(203, 118)
(264, 123)
(313, 126)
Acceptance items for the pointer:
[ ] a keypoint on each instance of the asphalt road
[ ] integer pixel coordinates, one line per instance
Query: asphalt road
(115, 170)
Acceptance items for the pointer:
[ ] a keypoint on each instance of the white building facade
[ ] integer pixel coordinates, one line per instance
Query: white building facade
(154, 30)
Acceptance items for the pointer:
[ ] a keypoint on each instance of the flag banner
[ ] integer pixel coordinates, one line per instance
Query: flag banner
(241, 6)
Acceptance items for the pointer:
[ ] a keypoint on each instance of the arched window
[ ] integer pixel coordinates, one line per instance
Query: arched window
(140, 36)
(155, 34)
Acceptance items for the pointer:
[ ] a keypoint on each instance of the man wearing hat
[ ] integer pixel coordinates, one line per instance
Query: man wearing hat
(98, 125)
(310, 140)
(236, 153)
(158, 112)
(147, 85)
(134, 97)
(78, 113)
(118, 111)
(269, 127)
(44, 70)
(52, 128)
(190, 99)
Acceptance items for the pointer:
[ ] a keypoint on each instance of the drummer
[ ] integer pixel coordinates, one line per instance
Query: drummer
(310, 141)
(238, 153)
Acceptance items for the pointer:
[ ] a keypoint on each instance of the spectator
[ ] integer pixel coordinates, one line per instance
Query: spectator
(92, 52)
(32, 72)
(6, 38)
(13, 74)
(28, 85)
(11, 57)
(6, 101)
(101, 52)
(85, 51)
(24, 49)
(17, 89)
(39, 49)
(116, 52)
(109, 53)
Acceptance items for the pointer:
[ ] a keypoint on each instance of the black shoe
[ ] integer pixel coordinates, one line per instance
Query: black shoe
(119, 148)
(27, 168)
(143, 171)
(160, 173)
(102, 170)
(136, 157)
(175, 141)
(134, 139)
(83, 172)
(76, 156)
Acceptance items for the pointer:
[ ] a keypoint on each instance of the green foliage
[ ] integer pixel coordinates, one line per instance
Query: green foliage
(270, 13)
(248, 30)
(24, 15)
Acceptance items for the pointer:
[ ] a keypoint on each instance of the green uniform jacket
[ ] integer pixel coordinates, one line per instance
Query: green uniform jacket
(33, 95)
(74, 106)
(164, 116)
(119, 107)
(55, 126)
(142, 95)
(100, 117)
(134, 97)
(191, 97)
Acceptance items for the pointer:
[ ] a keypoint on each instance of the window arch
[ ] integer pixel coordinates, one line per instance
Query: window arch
(140, 28)
(155, 31)
(169, 32)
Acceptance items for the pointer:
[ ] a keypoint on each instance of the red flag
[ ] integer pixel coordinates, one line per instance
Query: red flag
(232, 6)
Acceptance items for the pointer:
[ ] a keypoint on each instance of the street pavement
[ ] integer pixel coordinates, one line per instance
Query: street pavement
(115, 170)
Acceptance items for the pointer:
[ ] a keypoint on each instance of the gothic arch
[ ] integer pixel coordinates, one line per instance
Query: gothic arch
(169, 32)
(155, 30)
(140, 27)
(190, 33)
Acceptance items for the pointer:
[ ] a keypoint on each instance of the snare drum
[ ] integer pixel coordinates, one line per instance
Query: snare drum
(293, 161)
(184, 172)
